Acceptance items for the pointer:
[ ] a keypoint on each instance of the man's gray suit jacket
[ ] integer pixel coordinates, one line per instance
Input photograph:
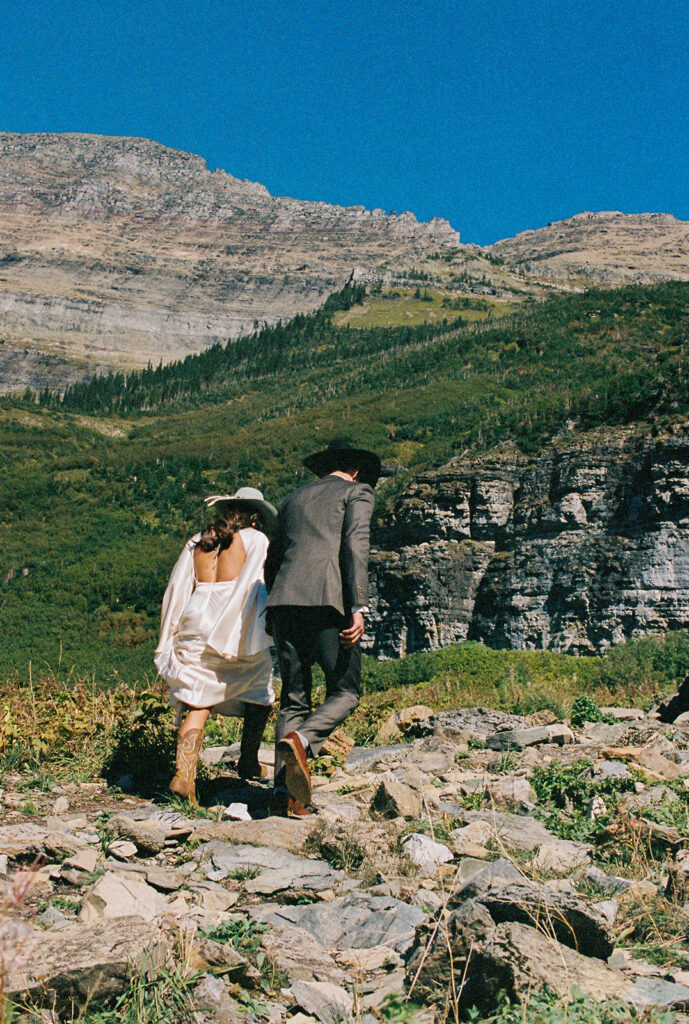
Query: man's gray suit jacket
(318, 556)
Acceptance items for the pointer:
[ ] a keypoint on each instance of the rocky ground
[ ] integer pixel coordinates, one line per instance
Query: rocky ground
(468, 853)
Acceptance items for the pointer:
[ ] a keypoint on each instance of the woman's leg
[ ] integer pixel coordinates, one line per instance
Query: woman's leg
(196, 719)
(189, 743)
(255, 719)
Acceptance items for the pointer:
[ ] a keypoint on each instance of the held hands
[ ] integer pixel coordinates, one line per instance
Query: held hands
(354, 633)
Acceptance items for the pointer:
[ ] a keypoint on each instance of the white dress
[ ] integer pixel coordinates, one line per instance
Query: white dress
(213, 647)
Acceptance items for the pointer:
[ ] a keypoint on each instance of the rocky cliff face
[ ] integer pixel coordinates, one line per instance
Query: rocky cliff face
(579, 548)
(118, 251)
(608, 247)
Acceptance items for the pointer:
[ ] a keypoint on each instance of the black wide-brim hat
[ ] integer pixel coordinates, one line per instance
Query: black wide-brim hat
(322, 463)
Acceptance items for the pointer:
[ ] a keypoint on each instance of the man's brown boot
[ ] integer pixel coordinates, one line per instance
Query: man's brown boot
(297, 778)
(188, 750)
(255, 718)
(285, 806)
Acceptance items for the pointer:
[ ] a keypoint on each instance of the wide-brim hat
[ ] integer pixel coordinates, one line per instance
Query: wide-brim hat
(322, 463)
(252, 498)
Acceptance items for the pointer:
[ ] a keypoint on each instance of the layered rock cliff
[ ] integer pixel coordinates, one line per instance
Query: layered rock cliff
(578, 548)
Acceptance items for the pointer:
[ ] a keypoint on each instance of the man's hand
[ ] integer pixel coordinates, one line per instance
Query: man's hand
(350, 636)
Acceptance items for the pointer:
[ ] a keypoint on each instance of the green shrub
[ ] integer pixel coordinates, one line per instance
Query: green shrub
(585, 709)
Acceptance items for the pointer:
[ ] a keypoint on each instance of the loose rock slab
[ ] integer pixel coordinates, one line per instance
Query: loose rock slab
(354, 921)
(122, 895)
(278, 869)
(84, 962)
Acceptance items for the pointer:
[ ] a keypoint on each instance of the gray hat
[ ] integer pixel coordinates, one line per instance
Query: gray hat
(253, 499)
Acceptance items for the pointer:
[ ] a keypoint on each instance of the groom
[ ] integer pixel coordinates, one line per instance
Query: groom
(316, 573)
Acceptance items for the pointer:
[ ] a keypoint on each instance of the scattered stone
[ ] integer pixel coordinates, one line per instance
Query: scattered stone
(3, 863)
(54, 919)
(165, 879)
(396, 724)
(122, 895)
(664, 995)
(477, 832)
(297, 953)
(85, 861)
(647, 758)
(425, 852)
(237, 812)
(357, 921)
(610, 770)
(608, 908)
(22, 841)
(562, 856)
(122, 849)
(650, 798)
(514, 831)
(443, 946)
(61, 805)
(330, 1004)
(624, 714)
(338, 744)
(517, 739)
(392, 799)
(277, 869)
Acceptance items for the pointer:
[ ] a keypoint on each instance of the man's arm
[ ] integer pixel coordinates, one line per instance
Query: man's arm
(276, 552)
(354, 547)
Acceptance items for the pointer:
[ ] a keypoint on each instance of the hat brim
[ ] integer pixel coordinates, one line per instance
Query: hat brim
(326, 461)
(268, 511)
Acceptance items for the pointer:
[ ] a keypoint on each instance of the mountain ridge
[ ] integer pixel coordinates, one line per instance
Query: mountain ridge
(119, 251)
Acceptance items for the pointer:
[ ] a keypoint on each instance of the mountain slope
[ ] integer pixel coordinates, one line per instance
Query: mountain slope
(95, 507)
(118, 251)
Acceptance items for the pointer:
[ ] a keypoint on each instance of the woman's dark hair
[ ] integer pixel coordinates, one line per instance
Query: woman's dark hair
(234, 517)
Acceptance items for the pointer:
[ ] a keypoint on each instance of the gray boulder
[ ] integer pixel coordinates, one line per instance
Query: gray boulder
(560, 914)
(516, 959)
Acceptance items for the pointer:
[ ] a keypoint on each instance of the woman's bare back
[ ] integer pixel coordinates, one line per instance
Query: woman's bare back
(211, 567)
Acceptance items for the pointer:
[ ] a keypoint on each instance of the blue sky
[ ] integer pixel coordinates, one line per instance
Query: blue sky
(500, 115)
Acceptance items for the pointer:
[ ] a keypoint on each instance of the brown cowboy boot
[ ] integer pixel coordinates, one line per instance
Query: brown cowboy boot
(255, 718)
(297, 777)
(188, 750)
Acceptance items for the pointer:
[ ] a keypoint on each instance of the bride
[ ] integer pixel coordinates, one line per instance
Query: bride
(213, 647)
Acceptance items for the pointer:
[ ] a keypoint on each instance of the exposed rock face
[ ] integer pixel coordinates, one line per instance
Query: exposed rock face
(117, 251)
(577, 549)
(605, 247)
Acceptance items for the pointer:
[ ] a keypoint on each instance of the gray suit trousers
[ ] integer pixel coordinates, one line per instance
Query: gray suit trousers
(304, 636)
